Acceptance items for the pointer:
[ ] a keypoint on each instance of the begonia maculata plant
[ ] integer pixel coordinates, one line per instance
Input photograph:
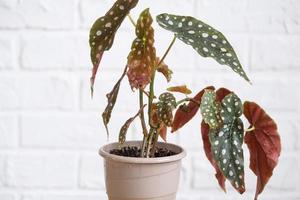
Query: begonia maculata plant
(222, 128)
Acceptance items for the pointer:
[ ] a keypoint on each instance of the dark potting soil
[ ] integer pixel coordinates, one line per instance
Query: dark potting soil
(135, 152)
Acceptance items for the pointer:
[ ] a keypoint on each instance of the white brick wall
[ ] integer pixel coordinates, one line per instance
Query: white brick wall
(50, 129)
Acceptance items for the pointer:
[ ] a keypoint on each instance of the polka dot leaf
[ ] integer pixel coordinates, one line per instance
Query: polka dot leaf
(165, 107)
(226, 142)
(103, 32)
(210, 109)
(111, 101)
(142, 58)
(124, 128)
(263, 142)
(206, 40)
(186, 112)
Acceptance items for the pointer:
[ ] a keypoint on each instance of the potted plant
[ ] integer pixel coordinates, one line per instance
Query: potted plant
(149, 169)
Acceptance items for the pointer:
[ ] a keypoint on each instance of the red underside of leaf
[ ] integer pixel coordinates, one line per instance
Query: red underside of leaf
(207, 149)
(263, 143)
(94, 72)
(221, 93)
(163, 133)
(182, 116)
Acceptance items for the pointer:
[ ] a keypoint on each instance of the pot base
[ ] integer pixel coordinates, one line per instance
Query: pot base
(169, 197)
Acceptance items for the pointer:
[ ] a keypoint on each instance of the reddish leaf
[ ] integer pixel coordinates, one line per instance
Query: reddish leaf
(263, 143)
(163, 132)
(186, 112)
(181, 89)
(221, 93)
(142, 58)
(164, 69)
(207, 149)
(103, 32)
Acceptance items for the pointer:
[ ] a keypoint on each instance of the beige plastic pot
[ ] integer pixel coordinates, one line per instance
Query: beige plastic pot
(142, 178)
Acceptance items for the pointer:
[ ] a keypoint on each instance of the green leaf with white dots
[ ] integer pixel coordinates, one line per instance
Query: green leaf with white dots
(206, 40)
(165, 107)
(210, 109)
(124, 128)
(226, 143)
(103, 32)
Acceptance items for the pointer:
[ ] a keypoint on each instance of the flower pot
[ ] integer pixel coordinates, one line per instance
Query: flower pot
(142, 178)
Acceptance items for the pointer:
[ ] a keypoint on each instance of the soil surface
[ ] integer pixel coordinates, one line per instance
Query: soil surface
(135, 152)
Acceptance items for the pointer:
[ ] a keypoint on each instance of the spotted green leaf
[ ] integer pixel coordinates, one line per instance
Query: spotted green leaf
(165, 107)
(111, 101)
(206, 40)
(210, 109)
(103, 32)
(142, 58)
(124, 129)
(226, 142)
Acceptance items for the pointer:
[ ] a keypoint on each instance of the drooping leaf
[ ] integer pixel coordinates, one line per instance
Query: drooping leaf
(111, 101)
(164, 69)
(206, 40)
(103, 32)
(210, 109)
(165, 107)
(263, 142)
(207, 149)
(186, 112)
(124, 129)
(227, 142)
(142, 58)
(181, 89)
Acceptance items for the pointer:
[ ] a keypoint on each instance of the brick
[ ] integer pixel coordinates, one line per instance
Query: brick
(91, 174)
(37, 14)
(57, 51)
(6, 53)
(8, 131)
(39, 92)
(275, 52)
(41, 171)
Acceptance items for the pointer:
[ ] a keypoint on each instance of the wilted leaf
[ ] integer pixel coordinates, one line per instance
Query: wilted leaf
(103, 32)
(227, 142)
(206, 40)
(164, 69)
(263, 142)
(181, 89)
(111, 101)
(186, 112)
(142, 58)
(207, 149)
(210, 109)
(124, 129)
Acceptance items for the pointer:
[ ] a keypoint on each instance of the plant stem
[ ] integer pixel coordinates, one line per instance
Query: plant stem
(131, 20)
(250, 129)
(142, 115)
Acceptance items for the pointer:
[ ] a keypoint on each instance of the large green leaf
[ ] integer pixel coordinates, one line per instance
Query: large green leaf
(103, 32)
(210, 109)
(142, 58)
(226, 142)
(206, 40)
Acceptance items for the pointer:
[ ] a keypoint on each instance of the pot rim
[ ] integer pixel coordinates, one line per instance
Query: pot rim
(103, 151)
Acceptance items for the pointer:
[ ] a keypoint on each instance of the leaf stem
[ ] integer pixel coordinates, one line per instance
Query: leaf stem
(250, 129)
(142, 115)
(187, 99)
(131, 20)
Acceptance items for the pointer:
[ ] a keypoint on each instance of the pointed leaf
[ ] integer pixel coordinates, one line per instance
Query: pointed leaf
(181, 89)
(263, 142)
(124, 129)
(186, 112)
(207, 149)
(164, 69)
(142, 58)
(227, 142)
(103, 32)
(210, 109)
(165, 107)
(206, 40)
(111, 101)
